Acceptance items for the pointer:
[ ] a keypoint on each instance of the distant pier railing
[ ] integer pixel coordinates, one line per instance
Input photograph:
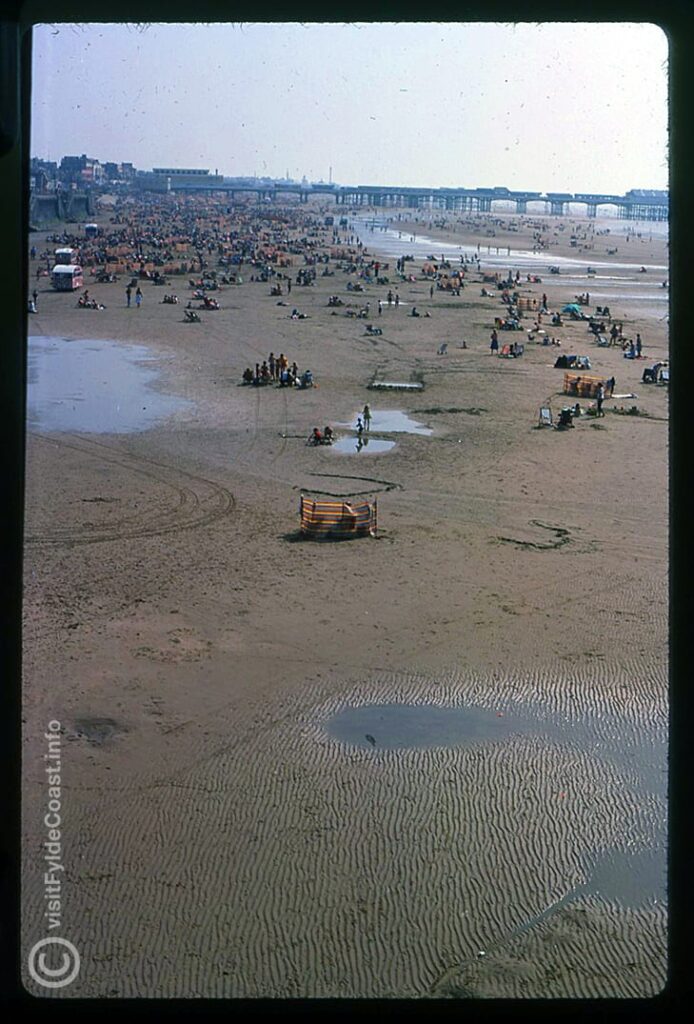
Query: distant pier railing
(634, 205)
(638, 204)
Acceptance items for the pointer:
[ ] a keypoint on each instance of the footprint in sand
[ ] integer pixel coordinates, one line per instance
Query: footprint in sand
(183, 645)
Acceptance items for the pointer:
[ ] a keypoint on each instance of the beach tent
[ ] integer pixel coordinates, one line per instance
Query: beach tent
(338, 519)
(564, 362)
(571, 307)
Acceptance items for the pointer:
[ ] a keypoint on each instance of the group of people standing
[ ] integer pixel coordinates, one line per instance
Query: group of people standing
(274, 368)
(129, 295)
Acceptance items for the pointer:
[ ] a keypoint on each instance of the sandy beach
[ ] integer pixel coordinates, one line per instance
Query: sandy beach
(426, 764)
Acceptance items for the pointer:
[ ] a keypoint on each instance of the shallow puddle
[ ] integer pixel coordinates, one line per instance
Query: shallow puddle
(94, 386)
(627, 878)
(97, 731)
(633, 880)
(392, 421)
(393, 726)
(355, 445)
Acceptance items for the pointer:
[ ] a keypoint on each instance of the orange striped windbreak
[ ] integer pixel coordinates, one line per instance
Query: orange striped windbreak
(338, 518)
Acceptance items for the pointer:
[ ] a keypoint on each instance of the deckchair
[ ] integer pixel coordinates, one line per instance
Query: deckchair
(545, 417)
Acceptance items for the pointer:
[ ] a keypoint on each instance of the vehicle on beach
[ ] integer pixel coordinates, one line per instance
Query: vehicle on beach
(65, 255)
(66, 278)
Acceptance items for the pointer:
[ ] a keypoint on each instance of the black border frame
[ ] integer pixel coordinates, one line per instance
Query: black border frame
(676, 18)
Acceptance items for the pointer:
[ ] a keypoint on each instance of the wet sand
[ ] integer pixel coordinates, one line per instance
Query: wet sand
(220, 838)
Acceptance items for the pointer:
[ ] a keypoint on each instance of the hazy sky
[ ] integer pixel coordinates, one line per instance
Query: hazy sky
(548, 107)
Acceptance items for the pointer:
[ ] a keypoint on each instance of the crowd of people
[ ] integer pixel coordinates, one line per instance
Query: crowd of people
(155, 236)
(277, 370)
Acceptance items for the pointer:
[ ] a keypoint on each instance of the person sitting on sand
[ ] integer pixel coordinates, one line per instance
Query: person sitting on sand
(247, 375)
(328, 434)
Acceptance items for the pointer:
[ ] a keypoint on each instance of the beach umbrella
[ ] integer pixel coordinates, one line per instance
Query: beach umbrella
(571, 307)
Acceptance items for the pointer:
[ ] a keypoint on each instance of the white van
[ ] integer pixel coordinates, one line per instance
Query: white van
(66, 255)
(67, 277)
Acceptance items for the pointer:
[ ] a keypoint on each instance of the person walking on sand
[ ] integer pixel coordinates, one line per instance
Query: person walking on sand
(367, 416)
(494, 345)
(35, 297)
(397, 300)
(380, 308)
(599, 399)
(138, 297)
(128, 294)
(610, 386)
(638, 346)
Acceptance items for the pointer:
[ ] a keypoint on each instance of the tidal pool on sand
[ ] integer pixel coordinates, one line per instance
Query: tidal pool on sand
(94, 387)
(361, 445)
(392, 421)
(392, 726)
(629, 878)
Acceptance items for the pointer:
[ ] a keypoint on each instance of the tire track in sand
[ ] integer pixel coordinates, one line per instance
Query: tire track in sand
(198, 502)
